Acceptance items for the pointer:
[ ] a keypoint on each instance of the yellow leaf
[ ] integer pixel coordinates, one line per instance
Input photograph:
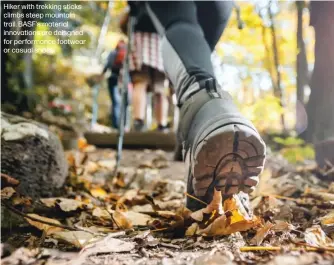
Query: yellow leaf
(49, 229)
(98, 193)
(82, 143)
(234, 220)
(328, 219)
(222, 226)
(192, 230)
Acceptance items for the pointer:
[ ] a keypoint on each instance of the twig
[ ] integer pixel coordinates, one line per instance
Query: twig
(42, 221)
(260, 248)
(160, 229)
(194, 198)
(280, 197)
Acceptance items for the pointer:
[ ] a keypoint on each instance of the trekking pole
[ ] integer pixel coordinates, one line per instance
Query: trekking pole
(125, 93)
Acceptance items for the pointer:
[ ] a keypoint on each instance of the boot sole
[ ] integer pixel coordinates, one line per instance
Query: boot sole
(229, 159)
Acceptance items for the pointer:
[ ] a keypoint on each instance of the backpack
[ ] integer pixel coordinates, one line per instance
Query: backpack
(120, 55)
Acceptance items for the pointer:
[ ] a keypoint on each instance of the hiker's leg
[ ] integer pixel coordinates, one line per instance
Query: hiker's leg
(160, 100)
(115, 101)
(219, 13)
(140, 83)
(222, 148)
(185, 52)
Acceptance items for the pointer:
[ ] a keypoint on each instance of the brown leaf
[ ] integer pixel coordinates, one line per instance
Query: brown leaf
(76, 238)
(121, 221)
(282, 226)
(137, 218)
(41, 226)
(128, 196)
(261, 234)
(67, 205)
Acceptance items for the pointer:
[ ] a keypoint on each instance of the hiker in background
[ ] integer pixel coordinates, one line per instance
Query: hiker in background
(114, 64)
(147, 73)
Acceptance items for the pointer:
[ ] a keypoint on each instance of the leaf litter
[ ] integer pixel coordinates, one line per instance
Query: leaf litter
(140, 214)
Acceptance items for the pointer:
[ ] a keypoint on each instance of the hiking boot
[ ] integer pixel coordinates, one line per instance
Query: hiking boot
(221, 148)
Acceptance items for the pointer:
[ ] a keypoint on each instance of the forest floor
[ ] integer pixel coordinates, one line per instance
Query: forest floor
(139, 216)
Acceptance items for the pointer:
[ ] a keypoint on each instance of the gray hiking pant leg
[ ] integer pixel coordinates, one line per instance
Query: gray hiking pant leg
(185, 50)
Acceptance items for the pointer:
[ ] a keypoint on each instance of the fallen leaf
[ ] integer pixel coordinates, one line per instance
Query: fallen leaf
(98, 193)
(137, 218)
(71, 160)
(121, 220)
(109, 164)
(101, 213)
(49, 229)
(7, 193)
(82, 143)
(119, 180)
(142, 208)
(261, 234)
(146, 164)
(107, 244)
(316, 237)
(128, 196)
(222, 226)
(234, 220)
(91, 167)
(282, 226)
(21, 200)
(215, 207)
(328, 219)
(76, 238)
(327, 223)
(192, 230)
(167, 214)
(67, 205)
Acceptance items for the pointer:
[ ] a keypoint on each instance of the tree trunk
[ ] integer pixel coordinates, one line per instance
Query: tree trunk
(301, 69)
(320, 108)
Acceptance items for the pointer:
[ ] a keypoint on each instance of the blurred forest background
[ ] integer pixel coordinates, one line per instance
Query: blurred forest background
(267, 53)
